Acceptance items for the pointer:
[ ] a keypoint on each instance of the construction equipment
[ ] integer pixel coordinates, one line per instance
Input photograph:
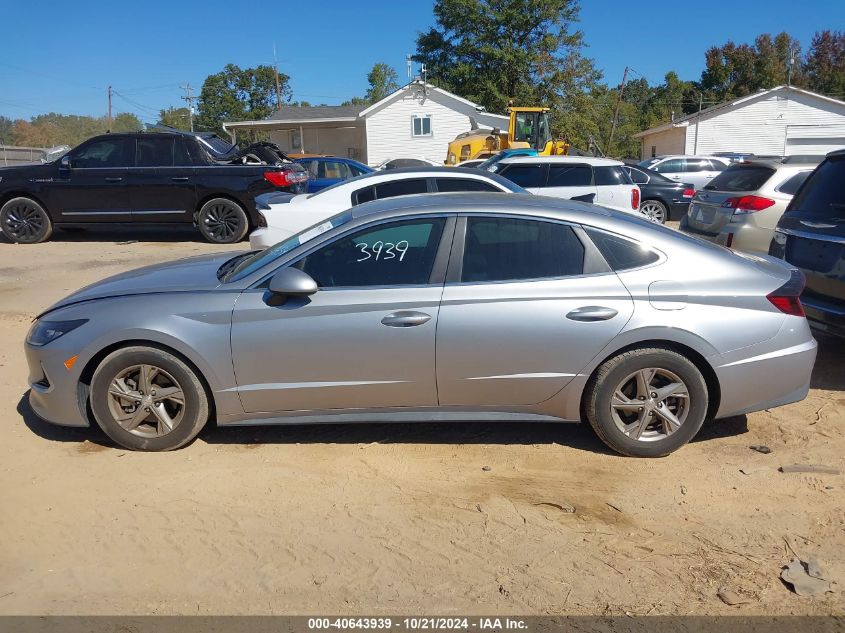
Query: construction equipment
(527, 128)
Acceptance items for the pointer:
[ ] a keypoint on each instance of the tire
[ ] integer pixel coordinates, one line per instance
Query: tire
(646, 435)
(137, 418)
(655, 211)
(24, 221)
(222, 221)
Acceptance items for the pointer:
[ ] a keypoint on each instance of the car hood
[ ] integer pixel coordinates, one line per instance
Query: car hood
(184, 275)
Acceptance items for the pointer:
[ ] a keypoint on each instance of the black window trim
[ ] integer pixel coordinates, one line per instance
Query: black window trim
(429, 188)
(438, 270)
(594, 262)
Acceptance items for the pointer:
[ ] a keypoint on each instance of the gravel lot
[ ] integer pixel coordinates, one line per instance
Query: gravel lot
(398, 518)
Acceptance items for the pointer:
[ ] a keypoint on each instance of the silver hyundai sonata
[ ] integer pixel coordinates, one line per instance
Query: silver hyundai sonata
(434, 307)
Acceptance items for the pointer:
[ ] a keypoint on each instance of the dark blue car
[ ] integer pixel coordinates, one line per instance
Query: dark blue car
(811, 236)
(325, 171)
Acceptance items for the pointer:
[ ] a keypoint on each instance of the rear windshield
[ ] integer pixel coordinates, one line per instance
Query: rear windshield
(741, 178)
(823, 194)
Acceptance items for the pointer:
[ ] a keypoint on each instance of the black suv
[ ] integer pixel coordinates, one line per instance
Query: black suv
(142, 178)
(811, 236)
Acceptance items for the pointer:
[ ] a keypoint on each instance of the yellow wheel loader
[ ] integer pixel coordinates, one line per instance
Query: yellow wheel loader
(527, 128)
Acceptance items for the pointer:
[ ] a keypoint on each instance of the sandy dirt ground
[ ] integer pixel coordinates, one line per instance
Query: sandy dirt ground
(399, 519)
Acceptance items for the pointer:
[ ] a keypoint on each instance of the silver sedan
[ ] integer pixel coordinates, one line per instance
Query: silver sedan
(434, 307)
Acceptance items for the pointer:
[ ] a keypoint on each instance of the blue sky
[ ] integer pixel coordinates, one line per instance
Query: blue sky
(69, 52)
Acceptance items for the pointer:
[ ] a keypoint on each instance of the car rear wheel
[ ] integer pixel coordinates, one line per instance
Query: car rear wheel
(147, 399)
(655, 211)
(25, 221)
(646, 402)
(222, 221)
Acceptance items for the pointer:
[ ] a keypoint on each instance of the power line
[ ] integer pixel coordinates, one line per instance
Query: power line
(190, 98)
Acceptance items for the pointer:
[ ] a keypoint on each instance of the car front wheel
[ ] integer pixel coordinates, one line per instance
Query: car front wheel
(25, 221)
(646, 402)
(222, 221)
(148, 399)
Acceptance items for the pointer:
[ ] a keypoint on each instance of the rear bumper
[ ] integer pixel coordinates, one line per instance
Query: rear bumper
(768, 374)
(686, 228)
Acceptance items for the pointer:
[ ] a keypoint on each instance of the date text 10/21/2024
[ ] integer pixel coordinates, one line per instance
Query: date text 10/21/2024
(419, 623)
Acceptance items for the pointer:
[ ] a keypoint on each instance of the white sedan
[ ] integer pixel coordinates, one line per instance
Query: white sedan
(286, 214)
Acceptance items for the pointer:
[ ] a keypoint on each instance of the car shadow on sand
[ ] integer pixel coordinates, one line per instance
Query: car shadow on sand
(828, 372)
(577, 436)
(124, 233)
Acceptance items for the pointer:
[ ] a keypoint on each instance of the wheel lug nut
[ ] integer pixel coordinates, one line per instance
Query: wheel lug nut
(642, 397)
(137, 402)
(653, 394)
(641, 408)
(153, 392)
(158, 403)
(147, 409)
(141, 392)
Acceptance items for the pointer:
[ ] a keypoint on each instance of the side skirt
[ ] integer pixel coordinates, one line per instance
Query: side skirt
(382, 416)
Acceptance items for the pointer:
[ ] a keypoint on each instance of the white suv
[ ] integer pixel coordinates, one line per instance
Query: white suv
(696, 170)
(598, 180)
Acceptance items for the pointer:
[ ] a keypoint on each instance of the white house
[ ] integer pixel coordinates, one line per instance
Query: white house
(782, 121)
(416, 121)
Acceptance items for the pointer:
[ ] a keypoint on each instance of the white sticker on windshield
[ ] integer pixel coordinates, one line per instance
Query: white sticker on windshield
(317, 230)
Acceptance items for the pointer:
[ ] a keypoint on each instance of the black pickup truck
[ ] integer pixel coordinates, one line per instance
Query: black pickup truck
(160, 178)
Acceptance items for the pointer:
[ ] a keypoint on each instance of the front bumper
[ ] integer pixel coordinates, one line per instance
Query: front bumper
(54, 390)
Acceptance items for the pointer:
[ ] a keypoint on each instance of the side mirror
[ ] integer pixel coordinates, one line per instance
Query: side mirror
(587, 197)
(292, 282)
(65, 163)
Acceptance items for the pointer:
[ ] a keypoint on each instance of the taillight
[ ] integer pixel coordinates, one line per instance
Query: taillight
(787, 298)
(688, 193)
(635, 199)
(285, 178)
(748, 204)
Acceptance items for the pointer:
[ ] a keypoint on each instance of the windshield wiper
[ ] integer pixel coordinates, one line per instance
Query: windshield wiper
(229, 264)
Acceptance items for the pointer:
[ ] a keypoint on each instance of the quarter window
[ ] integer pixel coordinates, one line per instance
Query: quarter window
(463, 184)
(637, 176)
(421, 125)
(394, 254)
(507, 249)
(115, 152)
(621, 253)
(570, 176)
(790, 185)
(612, 176)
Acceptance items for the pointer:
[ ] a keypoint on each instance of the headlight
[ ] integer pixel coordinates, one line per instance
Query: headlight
(42, 332)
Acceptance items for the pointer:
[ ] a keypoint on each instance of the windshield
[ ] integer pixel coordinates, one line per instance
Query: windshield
(648, 162)
(259, 259)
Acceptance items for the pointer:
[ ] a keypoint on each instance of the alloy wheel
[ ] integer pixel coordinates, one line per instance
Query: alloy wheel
(650, 404)
(146, 401)
(25, 222)
(654, 211)
(222, 222)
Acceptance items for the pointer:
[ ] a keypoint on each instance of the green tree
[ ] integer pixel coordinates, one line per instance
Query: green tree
(359, 101)
(126, 122)
(495, 52)
(383, 81)
(6, 130)
(179, 118)
(236, 94)
(825, 63)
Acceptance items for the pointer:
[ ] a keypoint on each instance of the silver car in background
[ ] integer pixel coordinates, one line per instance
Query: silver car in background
(440, 307)
(740, 208)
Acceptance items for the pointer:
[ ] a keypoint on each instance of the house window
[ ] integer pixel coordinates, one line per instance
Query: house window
(421, 125)
(653, 151)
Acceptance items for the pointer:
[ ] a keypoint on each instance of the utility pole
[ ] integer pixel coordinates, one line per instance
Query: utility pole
(789, 64)
(278, 84)
(190, 98)
(110, 119)
(698, 121)
(616, 112)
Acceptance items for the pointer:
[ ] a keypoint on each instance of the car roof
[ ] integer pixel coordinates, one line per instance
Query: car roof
(590, 160)
(664, 156)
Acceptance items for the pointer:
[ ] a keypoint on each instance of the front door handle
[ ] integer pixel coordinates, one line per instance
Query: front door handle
(592, 313)
(114, 179)
(405, 318)
(179, 179)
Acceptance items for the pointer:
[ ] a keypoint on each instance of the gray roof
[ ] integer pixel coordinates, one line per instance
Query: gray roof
(300, 113)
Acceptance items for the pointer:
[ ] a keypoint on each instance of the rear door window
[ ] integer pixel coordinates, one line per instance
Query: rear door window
(527, 175)
(637, 176)
(570, 176)
(154, 152)
(464, 184)
(823, 194)
(741, 178)
(698, 164)
(333, 170)
(507, 249)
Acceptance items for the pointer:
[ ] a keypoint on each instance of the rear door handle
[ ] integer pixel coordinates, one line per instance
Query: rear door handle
(592, 313)
(405, 318)
(114, 179)
(179, 179)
